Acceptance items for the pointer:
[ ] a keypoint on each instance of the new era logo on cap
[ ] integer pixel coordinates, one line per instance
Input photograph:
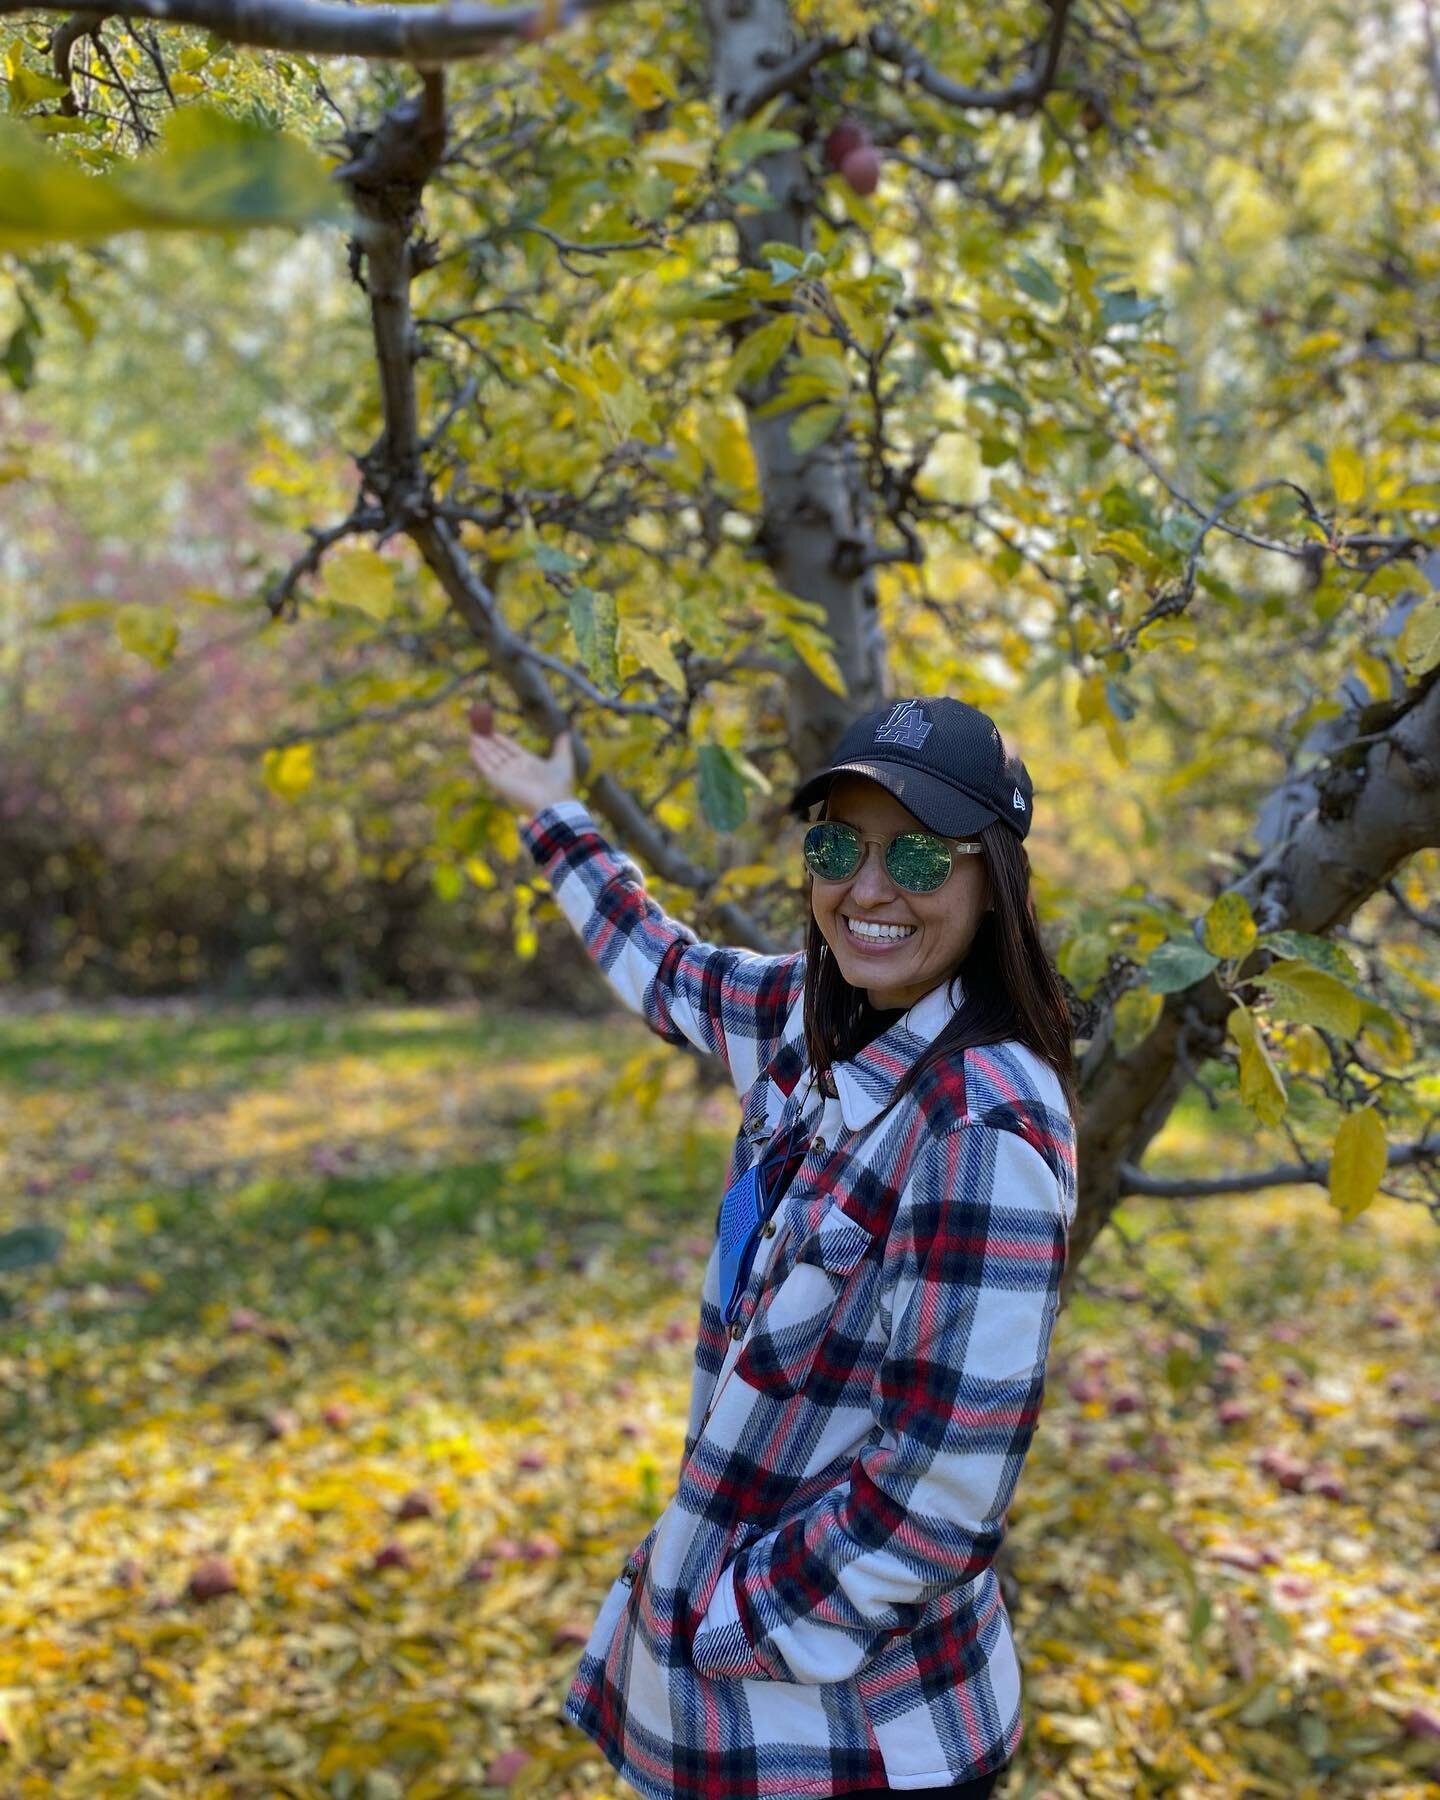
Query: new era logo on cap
(1018, 800)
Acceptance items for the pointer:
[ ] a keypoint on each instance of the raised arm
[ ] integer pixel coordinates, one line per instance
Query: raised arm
(731, 1003)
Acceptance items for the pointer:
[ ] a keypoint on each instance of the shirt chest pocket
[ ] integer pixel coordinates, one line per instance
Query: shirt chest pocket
(814, 1297)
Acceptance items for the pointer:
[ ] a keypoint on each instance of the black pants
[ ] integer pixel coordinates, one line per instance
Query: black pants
(967, 1790)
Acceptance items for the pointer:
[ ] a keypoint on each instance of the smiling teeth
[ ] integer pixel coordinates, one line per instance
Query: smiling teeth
(880, 931)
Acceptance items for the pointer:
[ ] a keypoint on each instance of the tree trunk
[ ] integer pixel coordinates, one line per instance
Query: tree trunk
(815, 532)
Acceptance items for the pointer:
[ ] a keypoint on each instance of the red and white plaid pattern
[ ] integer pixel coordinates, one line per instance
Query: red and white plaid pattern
(816, 1610)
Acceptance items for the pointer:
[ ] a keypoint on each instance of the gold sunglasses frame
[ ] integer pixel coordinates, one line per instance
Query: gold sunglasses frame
(956, 847)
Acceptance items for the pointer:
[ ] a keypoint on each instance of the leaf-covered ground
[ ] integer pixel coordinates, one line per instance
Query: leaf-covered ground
(329, 1267)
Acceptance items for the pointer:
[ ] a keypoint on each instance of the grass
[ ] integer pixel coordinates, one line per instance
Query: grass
(319, 1259)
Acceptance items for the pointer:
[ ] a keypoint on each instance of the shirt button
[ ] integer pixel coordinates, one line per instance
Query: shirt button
(820, 1145)
(769, 1229)
(737, 1330)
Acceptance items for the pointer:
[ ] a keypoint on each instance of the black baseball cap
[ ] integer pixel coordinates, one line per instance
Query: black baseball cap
(943, 760)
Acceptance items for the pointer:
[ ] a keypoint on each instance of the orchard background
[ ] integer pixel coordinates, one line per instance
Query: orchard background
(695, 378)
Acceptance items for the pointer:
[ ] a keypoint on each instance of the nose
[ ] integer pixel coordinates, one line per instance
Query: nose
(872, 885)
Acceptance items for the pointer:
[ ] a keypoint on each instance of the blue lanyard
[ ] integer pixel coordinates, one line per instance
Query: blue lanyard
(745, 1209)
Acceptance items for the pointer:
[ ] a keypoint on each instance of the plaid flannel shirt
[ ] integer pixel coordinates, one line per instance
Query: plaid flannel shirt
(816, 1610)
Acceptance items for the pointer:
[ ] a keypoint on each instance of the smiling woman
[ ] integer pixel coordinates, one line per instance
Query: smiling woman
(890, 937)
(816, 1610)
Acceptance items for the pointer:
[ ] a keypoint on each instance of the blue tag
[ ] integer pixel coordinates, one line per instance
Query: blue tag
(744, 1207)
(742, 1211)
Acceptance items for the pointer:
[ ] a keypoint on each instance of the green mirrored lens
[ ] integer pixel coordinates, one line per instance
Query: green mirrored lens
(832, 851)
(918, 861)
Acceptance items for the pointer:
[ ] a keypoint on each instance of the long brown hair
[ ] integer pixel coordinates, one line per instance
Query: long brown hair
(1011, 988)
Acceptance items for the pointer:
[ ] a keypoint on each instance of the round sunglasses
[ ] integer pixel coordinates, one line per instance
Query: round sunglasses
(918, 861)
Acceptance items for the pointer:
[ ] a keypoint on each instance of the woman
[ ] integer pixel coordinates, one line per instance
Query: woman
(816, 1611)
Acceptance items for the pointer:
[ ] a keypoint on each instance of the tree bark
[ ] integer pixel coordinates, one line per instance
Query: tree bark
(815, 532)
(1357, 825)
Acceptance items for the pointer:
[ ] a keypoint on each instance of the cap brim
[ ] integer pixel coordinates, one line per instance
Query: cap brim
(935, 803)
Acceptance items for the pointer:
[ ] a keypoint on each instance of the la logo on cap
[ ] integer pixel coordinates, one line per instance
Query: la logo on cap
(906, 725)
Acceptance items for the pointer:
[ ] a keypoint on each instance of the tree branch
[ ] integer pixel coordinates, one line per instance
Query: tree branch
(1353, 827)
(1024, 93)
(1135, 1181)
(442, 33)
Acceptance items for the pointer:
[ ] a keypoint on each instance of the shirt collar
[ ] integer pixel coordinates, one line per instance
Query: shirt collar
(866, 1081)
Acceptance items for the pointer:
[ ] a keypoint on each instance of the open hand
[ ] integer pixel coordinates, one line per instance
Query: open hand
(527, 782)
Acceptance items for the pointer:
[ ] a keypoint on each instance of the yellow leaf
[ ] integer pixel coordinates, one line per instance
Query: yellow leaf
(289, 771)
(730, 454)
(1305, 1052)
(812, 647)
(647, 85)
(149, 631)
(1347, 474)
(186, 84)
(1310, 996)
(1318, 343)
(1357, 1162)
(1090, 702)
(655, 653)
(526, 942)
(479, 872)
(1229, 926)
(1261, 1088)
(28, 87)
(558, 70)
(675, 156)
(1126, 547)
(1136, 1012)
(1419, 643)
(360, 577)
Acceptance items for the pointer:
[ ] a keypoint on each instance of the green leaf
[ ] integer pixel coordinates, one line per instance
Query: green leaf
(998, 393)
(758, 353)
(1083, 959)
(1125, 307)
(28, 1246)
(209, 173)
(1317, 950)
(1357, 1162)
(1229, 926)
(1261, 1088)
(1178, 963)
(594, 622)
(813, 426)
(722, 789)
(1419, 641)
(743, 143)
(1032, 279)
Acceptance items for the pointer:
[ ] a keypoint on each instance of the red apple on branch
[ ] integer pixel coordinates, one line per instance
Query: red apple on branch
(845, 137)
(482, 718)
(861, 168)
